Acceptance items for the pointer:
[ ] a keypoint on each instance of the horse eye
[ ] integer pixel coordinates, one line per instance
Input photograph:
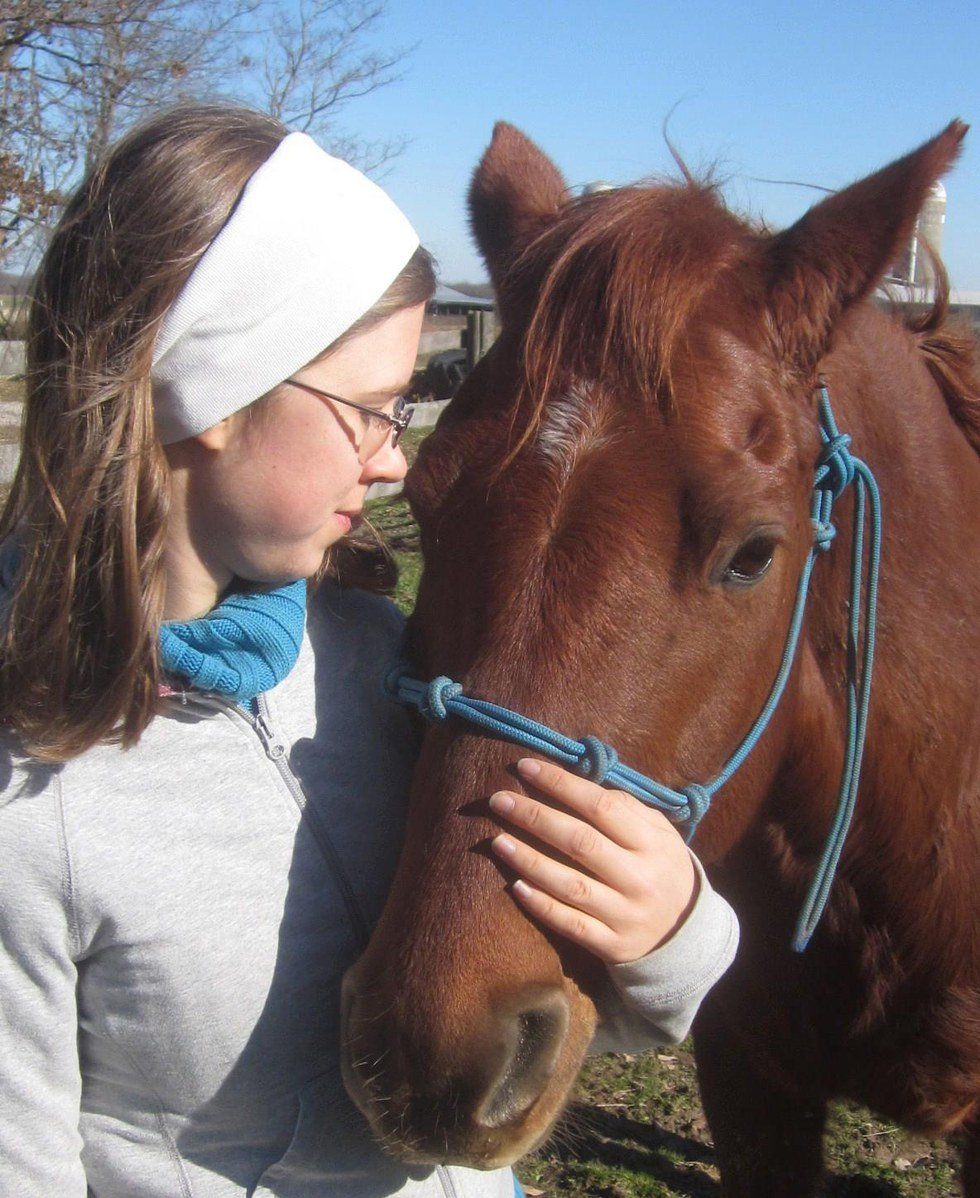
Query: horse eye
(751, 561)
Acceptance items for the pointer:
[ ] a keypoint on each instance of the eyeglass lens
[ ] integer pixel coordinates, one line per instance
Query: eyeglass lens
(377, 430)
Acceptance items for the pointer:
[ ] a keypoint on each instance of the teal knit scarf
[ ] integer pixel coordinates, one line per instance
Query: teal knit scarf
(243, 647)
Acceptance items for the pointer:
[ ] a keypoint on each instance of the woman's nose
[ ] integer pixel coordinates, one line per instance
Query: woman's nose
(387, 465)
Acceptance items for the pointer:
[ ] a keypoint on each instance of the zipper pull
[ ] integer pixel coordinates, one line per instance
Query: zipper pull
(274, 748)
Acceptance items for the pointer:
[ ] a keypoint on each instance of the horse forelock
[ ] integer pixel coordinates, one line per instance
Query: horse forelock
(615, 282)
(572, 425)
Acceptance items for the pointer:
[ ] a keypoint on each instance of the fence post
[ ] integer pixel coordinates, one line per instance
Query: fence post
(480, 328)
(472, 340)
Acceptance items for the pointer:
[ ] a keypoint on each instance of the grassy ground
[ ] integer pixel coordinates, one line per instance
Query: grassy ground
(393, 520)
(13, 317)
(636, 1128)
(11, 390)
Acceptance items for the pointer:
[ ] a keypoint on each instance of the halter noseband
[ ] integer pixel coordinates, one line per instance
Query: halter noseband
(836, 469)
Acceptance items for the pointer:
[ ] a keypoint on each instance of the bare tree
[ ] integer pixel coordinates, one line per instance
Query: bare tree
(33, 60)
(317, 60)
(75, 73)
(153, 53)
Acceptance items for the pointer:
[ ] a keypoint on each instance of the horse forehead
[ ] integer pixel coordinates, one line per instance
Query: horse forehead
(720, 399)
(573, 424)
(727, 446)
(729, 403)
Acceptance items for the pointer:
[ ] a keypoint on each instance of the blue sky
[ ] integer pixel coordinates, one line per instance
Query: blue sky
(824, 92)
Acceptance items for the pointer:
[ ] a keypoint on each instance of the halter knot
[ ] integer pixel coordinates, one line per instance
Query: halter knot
(823, 534)
(437, 694)
(698, 802)
(835, 465)
(393, 677)
(598, 760)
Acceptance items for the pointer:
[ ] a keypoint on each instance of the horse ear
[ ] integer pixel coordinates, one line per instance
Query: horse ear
(516, 190)
(836, 254)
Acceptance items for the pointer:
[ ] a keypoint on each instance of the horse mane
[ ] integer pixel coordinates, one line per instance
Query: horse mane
(612, 285)
(949, 347)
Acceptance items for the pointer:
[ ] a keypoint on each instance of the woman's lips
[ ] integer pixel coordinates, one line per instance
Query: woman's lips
(349, 520)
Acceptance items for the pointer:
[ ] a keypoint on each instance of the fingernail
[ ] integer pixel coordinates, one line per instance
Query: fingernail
(529, 767)
(521, 888)
(504, 846)
(502, 802)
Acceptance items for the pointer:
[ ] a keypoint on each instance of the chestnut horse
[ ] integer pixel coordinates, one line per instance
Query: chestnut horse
(614, 514)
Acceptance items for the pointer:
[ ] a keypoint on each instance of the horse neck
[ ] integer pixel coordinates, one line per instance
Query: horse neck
(919, 782)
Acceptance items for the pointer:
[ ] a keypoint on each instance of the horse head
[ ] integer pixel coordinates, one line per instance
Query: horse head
(614, 513)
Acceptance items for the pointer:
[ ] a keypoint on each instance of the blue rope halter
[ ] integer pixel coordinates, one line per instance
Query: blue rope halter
(836, 469)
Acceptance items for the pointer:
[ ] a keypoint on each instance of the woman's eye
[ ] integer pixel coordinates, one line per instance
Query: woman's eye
(751, 561)
(381, 418)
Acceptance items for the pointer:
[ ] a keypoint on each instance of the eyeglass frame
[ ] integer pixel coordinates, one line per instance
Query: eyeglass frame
(397, 423)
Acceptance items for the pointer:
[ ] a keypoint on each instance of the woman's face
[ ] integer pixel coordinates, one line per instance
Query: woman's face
(265, 493)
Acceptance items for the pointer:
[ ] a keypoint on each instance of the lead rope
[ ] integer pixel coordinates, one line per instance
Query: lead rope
(837, 468)
(858, 688)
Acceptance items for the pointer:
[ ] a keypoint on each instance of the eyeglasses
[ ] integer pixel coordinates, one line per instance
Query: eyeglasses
(378, 426)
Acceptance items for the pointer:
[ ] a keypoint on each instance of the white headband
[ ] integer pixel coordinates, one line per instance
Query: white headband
(310, 247)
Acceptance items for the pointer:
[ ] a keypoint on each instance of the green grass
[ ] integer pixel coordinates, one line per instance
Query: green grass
(393, 520)
(13, 317)
(12, 390)
(411, 440)
(636, 1130)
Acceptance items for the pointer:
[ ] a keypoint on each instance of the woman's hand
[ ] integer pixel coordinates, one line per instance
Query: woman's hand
(637, 883)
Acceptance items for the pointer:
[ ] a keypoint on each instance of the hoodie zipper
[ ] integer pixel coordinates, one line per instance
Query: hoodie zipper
(448, 1185)
(274, 748)
(276, 751)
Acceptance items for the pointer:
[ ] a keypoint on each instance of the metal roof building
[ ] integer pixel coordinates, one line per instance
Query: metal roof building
(449, 301)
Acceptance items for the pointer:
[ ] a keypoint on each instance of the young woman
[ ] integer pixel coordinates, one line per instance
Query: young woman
(202, 784)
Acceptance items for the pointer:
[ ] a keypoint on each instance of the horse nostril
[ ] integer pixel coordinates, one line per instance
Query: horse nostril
(535, 1035)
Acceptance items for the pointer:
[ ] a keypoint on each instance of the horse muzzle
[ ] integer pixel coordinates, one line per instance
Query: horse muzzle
(474, 1092)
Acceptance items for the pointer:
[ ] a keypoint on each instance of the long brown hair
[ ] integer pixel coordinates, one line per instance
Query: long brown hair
(90, 499)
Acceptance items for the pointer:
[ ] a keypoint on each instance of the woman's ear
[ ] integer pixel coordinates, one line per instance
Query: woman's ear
(219, 435)
(516, 190)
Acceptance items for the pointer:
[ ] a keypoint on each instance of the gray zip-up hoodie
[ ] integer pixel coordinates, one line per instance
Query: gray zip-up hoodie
(175, 920)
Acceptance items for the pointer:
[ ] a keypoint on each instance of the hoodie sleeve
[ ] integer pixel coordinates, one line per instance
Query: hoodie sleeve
(40, 1079)
(652, 1001)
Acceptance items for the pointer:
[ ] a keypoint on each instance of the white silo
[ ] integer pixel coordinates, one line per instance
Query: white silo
(915, 267)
